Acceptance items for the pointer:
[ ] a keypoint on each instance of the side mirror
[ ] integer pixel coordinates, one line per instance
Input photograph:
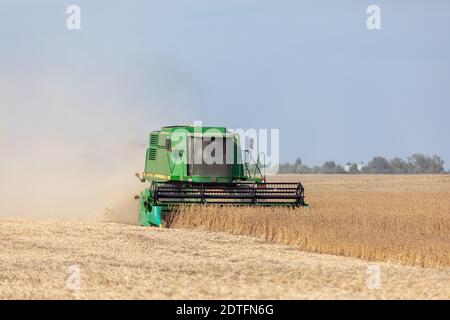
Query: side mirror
(168, 144)
(139, 177)
(251, 142)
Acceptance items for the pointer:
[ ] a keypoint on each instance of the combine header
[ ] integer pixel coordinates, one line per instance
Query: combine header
(205, 165)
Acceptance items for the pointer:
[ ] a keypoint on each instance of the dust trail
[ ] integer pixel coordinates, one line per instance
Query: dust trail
(69, 149)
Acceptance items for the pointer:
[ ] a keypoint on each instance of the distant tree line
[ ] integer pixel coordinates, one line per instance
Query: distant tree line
(415, 164)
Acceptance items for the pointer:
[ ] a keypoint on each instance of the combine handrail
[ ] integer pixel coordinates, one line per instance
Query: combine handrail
(255, 162)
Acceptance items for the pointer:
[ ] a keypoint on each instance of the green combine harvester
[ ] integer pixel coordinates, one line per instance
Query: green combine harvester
(179, 173)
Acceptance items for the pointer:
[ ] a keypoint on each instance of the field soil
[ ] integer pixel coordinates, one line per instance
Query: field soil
(398, 225)
(39, 260)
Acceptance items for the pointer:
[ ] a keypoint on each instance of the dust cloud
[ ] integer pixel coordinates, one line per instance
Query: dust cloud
(71, 152)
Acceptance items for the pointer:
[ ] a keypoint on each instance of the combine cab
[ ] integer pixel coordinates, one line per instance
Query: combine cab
(204, 165)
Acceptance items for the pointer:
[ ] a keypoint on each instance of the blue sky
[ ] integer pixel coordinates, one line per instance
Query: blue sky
(312, 69)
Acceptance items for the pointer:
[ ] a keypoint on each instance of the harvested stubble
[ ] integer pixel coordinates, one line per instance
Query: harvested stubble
(406, 227)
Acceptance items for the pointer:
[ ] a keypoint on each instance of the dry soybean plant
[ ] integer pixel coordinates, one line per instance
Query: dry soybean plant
(375, 226)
